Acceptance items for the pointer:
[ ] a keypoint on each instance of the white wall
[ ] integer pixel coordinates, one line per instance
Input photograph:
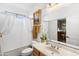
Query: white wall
(15, 8)
(43, 28)
(68, 12)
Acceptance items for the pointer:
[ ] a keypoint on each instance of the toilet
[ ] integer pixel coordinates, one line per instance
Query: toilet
(27, 52)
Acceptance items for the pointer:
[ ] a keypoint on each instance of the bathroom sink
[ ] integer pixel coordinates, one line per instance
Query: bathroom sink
(52, 49)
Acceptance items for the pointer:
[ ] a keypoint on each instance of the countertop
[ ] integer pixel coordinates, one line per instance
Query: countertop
(42, 47)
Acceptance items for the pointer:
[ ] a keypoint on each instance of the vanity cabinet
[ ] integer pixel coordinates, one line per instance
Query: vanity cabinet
(41, 54)
(37, 52)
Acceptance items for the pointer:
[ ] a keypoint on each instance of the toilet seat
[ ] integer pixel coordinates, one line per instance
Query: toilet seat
(27, 50)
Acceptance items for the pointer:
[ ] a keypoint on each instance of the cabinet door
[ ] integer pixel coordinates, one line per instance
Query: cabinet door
(41, 54)
(72, 30)
(36, 52)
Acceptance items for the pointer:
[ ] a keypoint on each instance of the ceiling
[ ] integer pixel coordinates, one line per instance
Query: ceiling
(29, 8)
(22, 8)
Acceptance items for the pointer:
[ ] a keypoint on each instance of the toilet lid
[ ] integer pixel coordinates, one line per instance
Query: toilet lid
(27, 50)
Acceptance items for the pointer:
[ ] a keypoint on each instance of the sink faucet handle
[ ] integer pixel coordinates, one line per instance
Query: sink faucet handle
(52, 46)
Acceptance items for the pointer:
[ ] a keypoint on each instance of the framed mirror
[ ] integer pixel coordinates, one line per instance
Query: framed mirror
(65, 30)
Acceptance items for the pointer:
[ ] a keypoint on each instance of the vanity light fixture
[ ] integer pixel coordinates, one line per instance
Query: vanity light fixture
(52, 5)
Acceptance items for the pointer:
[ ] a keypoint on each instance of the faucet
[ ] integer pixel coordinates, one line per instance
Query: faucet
(48, 41)
(55, 46)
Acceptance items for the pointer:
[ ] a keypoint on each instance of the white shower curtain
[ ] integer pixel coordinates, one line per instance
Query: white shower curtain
(6, 24)
(2, 22)
(16, 31)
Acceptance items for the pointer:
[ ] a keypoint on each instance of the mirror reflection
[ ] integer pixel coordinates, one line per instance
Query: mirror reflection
(61, 30)
(65, 30)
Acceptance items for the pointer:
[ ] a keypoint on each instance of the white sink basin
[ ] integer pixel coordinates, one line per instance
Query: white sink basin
(53, 50)
(60, 52)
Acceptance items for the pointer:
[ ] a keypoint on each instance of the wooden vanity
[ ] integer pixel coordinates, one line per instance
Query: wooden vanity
(37, 53)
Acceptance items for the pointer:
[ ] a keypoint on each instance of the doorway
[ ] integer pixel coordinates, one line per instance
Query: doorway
(61, 30)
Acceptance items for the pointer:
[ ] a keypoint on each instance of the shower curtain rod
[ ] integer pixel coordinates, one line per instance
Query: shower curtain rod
(16, 14)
